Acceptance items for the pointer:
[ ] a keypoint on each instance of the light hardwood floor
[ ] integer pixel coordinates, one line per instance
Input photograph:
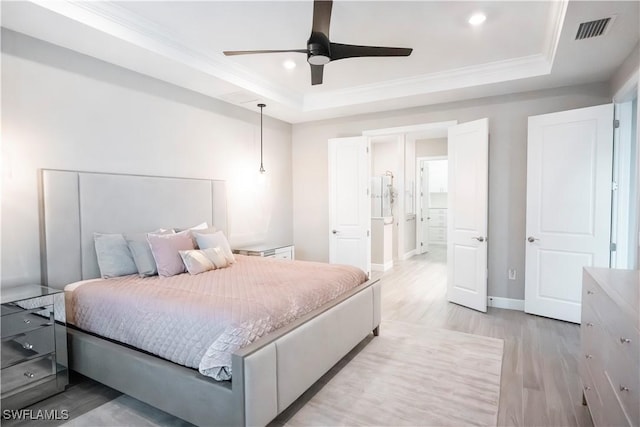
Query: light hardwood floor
(540, 382)
(540, 385)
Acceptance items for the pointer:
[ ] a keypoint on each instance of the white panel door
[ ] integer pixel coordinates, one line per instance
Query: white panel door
(349, 203)
(569, 161)
(467, 214)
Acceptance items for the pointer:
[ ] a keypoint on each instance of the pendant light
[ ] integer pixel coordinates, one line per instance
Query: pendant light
(262, 170)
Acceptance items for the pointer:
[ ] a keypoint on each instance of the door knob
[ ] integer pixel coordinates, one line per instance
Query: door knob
(531, 239)
(334, 231)
(479, 239)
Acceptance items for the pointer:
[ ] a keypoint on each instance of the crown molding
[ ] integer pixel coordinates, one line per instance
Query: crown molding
(494, 72)
(114, 20)
(118, 22)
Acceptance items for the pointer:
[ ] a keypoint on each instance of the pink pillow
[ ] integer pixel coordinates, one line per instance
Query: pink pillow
(166, 251)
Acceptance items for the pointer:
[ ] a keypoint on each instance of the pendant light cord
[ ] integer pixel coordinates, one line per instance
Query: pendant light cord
(262, 170)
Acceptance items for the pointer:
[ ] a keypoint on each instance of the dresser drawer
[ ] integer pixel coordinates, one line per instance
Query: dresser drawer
(27, 373)
(624, 377)
(612, 412)
(438, 211)
(438, 233)
(591, 326)
(28, 345)
(590, 392)
(22, 321)
(437, 220)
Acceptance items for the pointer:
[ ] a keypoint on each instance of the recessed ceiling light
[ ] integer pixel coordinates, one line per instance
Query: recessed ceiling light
(477, 19)
(289, 64)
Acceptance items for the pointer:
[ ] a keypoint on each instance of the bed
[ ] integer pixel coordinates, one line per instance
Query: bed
(267, 375)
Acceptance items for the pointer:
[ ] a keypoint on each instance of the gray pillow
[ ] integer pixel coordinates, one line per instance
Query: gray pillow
(114, 257)
(142, 256)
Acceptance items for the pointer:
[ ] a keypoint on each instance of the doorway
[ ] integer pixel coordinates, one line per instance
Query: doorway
(395, 189)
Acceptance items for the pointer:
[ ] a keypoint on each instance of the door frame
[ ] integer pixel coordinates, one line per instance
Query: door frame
(404, 133)
(420, 224)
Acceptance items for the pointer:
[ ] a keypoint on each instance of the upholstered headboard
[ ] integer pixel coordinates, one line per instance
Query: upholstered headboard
(75, 204)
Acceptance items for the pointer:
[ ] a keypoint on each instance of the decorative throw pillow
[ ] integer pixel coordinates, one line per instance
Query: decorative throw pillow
(216, 256)
(200, 228)
(141, 251)
(196, 261)
(114, 257)
(165, 249)
(215, 240)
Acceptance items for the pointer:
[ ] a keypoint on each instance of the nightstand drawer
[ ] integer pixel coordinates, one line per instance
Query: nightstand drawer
(284, 253)
(27, 373)
(27, 346)
(22, 321)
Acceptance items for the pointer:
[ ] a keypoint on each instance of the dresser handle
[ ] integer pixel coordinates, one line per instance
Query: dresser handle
(588, 356)
(27, 346)
(27, 321)
(624, 340)
(623, 388)
(29, 374)
(589, 292)
(589, 324)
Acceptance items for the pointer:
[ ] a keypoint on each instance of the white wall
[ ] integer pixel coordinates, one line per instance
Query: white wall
(63, 110)
(431, 147)
(384, 157)
(626, 76)
(507, 169)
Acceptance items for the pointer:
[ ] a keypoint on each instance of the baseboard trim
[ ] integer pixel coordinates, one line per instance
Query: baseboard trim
(382, 267)
(408, 255)
(508, 303)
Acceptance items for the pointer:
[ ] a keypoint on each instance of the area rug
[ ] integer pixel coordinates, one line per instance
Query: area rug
(414, 376)
(409, 375)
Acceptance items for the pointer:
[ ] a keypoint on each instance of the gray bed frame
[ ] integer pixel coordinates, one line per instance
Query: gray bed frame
(268, 375)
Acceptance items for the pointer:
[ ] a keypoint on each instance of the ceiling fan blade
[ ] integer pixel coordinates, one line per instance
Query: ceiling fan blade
(251, 52)
(316, 74)
(342, 51)
(322, 16)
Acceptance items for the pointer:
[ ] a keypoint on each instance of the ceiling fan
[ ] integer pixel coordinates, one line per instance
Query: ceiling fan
(320, 50)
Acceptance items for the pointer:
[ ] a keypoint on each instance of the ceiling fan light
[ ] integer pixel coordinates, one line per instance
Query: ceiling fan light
(477, 19)
(318, 59)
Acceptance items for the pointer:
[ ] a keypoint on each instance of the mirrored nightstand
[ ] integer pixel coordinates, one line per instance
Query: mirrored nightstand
(34, 345)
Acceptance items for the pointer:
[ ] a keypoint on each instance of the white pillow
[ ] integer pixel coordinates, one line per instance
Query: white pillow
(196, 261)
(215, 240)
(216, 256)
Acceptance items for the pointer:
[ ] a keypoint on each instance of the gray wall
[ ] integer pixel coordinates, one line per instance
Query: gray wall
(507, 169)
(64, 110)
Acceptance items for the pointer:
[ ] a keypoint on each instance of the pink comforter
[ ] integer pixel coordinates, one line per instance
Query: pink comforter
(199, 321)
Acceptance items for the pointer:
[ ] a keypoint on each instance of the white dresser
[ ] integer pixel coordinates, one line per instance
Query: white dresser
(437, 226)
(610, 346)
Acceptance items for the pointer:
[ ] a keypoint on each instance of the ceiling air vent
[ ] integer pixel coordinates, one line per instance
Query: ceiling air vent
(595, 28)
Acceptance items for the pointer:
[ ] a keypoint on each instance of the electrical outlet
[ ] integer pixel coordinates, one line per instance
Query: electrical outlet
(512, 274)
